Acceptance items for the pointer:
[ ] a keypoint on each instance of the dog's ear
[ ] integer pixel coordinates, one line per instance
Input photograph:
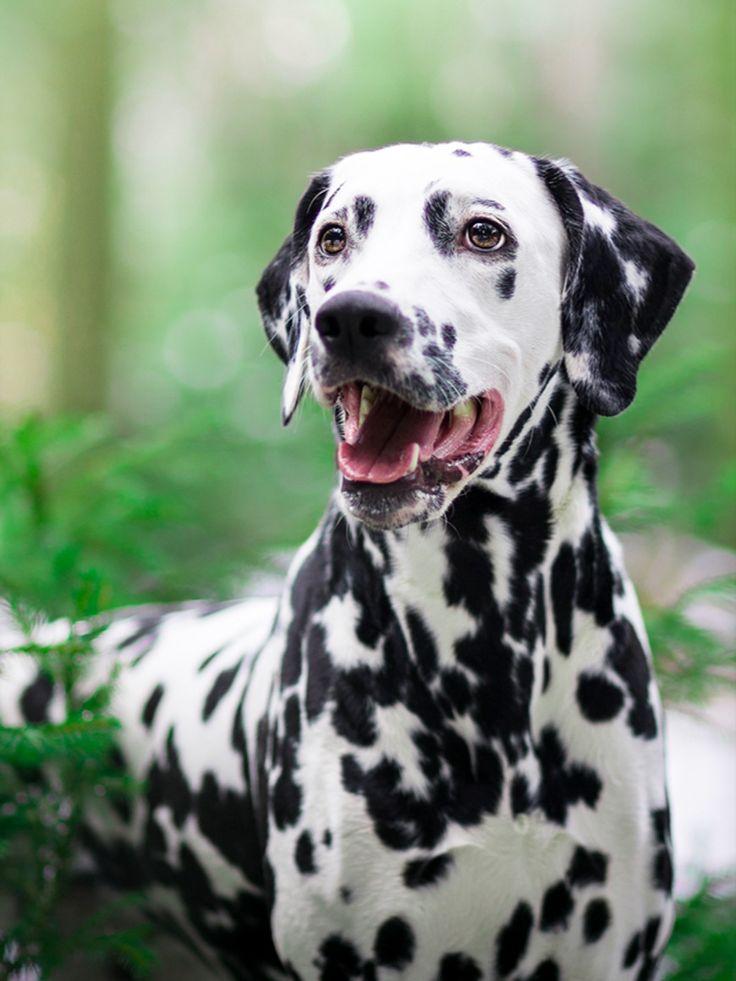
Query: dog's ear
(282, 297)
(623, 281)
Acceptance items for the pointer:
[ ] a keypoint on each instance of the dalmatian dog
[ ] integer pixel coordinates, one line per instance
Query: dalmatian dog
(438, 754)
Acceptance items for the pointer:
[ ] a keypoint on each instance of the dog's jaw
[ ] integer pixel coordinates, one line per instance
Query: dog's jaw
(401, 463)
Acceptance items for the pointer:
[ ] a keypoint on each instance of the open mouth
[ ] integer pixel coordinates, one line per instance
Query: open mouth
(387, 440)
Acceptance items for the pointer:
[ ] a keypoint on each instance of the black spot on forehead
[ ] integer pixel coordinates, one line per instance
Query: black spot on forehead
(437, 223)
(504, 151)
(459, 152)
(364, 209)
(506, 283)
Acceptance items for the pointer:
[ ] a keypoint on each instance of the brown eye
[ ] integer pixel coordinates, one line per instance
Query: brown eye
(485, 235)
(332, 240)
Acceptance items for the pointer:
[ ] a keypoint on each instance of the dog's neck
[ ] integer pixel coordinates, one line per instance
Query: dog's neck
(506, 547)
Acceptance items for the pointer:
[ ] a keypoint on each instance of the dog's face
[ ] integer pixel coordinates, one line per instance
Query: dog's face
(426, 291)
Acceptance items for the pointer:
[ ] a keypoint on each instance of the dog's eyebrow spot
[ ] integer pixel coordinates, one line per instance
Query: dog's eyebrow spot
(365, 214)
(506, 283)
(489, 203)
(461, 153)
(436, 222)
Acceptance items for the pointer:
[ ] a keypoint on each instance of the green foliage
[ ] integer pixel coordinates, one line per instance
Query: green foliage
(703, 945)
(49, 775)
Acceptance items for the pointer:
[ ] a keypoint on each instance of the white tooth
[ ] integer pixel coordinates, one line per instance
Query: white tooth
(367, 401)
(414, 459)
(464, 410)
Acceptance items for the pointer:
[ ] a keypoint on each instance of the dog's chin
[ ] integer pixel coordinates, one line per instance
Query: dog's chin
(401, 464)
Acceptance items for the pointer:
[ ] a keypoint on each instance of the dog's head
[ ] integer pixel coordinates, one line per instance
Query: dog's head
(425, 291)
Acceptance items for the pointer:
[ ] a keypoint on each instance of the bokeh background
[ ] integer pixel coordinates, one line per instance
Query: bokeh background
(151, 156)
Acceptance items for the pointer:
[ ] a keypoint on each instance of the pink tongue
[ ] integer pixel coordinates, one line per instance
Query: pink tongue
(385, 448)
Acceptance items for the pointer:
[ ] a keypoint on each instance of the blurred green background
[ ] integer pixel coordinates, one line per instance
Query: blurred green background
(151, 156)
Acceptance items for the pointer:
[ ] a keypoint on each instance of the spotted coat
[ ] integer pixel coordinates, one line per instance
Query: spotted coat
(437, 755)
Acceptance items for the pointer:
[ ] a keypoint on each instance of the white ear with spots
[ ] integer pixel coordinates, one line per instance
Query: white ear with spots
(624, 281)
(282, 297)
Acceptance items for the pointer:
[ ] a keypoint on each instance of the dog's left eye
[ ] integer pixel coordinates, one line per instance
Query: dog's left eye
(332, 240)
(484, 235)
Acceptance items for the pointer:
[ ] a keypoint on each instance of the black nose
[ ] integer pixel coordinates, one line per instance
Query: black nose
(353, 323)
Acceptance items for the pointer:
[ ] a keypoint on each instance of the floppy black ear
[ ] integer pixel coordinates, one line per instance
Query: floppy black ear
(623, 282)
(282, 297)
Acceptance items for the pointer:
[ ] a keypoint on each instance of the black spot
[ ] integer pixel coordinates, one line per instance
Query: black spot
(167, 785)
(456, 687)
(661, 824)
(546, 674)
(394, 944)
(557, 905)
(563, 783)
(459, 967)
(629, 661)
(286, 796)
(425, 324)
(226, 819)
(512, 939)
(328, 284)
(365, 214)
(599, 699)
(355, 708)
(459, 152)
(437, 223)
(220, 688)
(304, 854)
(633, 949)
(587, 868)
(651, 932)
(353, 778)
(339, 959)
(520, 799)
(426, 872)
(346, 894)
(449, 335)
(546, 971)
(563, 594)
(380, 285)
(423, 643)
(596, 920)
(662, 870)
(506, 283)
(34, 702)
(327, 838)
(319, 672)
(209, 659)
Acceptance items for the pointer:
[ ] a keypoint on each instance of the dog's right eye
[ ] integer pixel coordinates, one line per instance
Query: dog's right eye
(332, 240)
